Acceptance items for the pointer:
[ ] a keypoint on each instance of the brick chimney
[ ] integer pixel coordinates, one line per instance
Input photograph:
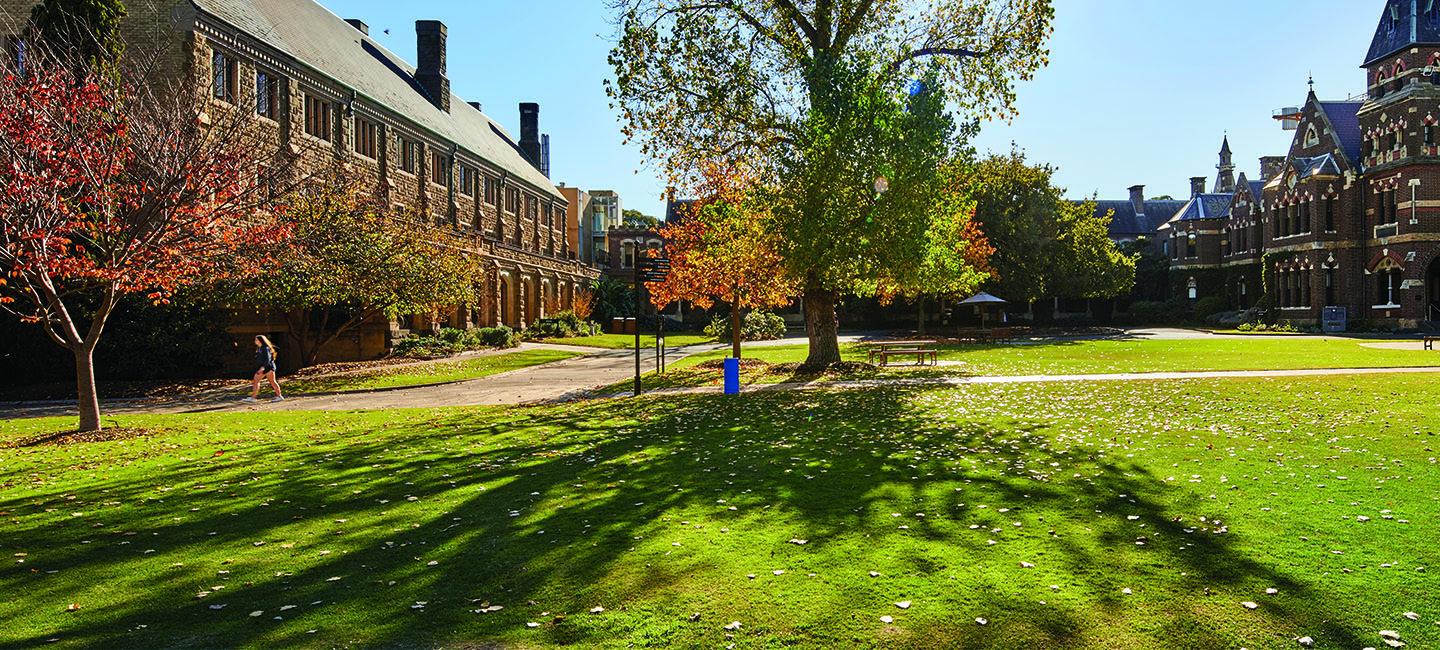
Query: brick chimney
(530, 131)
(430, 69)
(1271, 166)
(1137, 198)
(1197, 186)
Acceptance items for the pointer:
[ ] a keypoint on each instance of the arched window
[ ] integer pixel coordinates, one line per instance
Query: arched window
(1329, 214)
(1312, 137)
(1388, 274)
(1379, 90)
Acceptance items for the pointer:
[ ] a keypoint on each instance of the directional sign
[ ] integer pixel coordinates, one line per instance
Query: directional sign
(661, 266)
(655, 277)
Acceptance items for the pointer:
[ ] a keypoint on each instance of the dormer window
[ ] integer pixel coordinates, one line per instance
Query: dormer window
(1394, 19)
(1432, 11)
(1312, 137)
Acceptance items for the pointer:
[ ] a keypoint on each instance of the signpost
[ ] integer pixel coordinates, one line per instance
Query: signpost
(647, 269)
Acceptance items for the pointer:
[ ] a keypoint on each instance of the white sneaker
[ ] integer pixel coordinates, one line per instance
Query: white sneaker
(278, 399)
(249, 399)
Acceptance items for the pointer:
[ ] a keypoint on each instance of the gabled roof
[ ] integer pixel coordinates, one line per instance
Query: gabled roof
(323, 41)
(1343, 119)
(1403, 24)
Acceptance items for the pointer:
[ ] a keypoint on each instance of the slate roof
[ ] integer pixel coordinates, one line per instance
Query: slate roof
(1411, 28)
(1205, 206)
(1126, 224)
(1343, 118)
(1256, 188)
(323, 41)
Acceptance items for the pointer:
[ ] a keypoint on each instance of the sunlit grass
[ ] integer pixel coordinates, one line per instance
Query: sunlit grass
(622, 341)
(657, 509)
(427, 373)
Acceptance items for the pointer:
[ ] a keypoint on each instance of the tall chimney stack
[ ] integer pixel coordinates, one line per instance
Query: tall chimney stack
(430, 69)
(1137, 198)
(1270, 167)
(1197, 186)
(530, 132)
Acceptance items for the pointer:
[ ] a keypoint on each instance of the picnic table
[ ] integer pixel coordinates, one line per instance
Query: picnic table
(886, 349)
(991, 335)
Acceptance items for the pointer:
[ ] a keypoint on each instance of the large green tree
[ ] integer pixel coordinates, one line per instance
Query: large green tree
(810, 96)
(1045, 246)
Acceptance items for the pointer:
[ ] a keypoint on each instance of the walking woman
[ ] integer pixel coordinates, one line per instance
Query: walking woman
(265, 358)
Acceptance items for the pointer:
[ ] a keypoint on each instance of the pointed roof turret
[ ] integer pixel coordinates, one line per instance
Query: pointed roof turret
(1404, 24)
(1225, 181)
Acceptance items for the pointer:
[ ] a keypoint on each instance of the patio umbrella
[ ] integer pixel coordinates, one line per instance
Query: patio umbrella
(983, 299)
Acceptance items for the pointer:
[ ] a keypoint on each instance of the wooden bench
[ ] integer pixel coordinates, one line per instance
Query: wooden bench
(1430, 342)
(877, 347)
(920, 354)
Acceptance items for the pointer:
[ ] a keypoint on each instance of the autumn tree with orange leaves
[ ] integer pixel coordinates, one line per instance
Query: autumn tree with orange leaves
(723, 250)
(115, 185)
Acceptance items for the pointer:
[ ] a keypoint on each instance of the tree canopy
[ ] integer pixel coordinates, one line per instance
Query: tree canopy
(724, 251)
(839, 105)
(1045, 246)
(638, 219)
(349, 260)
(112, 186)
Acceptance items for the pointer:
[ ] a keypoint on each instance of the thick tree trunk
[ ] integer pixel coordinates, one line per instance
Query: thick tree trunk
(89, 400)
(820, 325)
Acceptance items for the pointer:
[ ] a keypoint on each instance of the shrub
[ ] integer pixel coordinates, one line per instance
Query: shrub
(450, 341)
(758, 326)
(1158, 313)
(1206, 307)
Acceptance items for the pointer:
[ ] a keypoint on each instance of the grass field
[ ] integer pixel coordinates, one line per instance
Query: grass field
(623, 341)
(426, 373)
(1079, 357)
(1128, 515)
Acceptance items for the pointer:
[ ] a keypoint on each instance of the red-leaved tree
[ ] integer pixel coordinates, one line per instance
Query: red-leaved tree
(724, 251)
(112, 183)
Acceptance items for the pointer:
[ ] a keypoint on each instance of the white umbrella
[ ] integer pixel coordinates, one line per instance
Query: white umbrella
(983, 299)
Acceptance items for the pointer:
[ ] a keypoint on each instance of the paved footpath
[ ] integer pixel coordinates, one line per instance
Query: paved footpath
(579, 377)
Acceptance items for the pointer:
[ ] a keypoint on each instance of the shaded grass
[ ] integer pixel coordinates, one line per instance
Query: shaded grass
(655, 509)
(427, 373)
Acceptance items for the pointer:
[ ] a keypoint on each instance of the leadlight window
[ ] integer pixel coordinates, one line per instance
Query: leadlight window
(409, 155)
(226, 71)
(317, 117)
(366, 141)
(267, 95)
(439, 168)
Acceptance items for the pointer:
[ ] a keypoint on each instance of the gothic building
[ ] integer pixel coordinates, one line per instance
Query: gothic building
(1350, 216)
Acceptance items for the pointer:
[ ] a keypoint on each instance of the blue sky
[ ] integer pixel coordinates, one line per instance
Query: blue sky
(1137, 91)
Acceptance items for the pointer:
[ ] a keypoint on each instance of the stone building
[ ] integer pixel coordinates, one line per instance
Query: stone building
(323, 88)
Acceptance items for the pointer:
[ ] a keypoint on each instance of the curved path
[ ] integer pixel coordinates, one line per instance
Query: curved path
(579, 377)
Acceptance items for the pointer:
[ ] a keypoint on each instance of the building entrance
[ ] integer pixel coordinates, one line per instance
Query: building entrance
(1432, 292)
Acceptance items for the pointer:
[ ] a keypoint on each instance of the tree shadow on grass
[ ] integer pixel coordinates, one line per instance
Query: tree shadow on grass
(652, 509)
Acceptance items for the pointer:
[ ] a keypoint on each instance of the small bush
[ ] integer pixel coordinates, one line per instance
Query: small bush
(1207, 307)
(758, 326)
(451, 341)
(1158, 313)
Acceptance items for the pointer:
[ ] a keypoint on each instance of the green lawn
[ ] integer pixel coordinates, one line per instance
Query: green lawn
(1076, 357)
(426, 373)
(622, 341)
(1076, 516)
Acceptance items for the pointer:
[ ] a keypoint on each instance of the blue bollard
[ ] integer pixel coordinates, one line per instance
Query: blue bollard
(732, 376)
